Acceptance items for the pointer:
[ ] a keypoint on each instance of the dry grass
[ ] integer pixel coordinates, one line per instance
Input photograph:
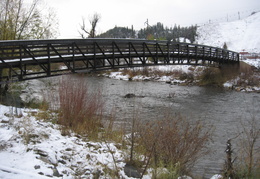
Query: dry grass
(80, 108)
(149, 72)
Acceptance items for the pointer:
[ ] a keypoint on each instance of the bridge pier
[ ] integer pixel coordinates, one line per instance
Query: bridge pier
(230, 65)
(230, 70)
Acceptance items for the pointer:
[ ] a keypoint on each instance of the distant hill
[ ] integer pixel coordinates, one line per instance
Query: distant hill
(240, 35)
(119, 32)
(157, 31)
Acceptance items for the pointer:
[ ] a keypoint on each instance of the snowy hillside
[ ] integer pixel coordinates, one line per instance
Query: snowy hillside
(239, 35)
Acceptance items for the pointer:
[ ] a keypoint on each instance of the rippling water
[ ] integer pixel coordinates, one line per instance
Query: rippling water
(223, 109)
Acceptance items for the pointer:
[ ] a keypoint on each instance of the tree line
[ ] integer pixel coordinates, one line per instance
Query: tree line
(157, 31)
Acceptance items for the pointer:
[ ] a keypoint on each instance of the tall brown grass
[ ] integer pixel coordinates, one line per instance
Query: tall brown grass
(80, 109)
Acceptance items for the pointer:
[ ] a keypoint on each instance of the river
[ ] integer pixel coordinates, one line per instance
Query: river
(223, 109)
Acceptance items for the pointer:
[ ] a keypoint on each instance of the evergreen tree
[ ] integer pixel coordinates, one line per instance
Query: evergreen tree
(119, 32)
(225, 46)
(158, 31)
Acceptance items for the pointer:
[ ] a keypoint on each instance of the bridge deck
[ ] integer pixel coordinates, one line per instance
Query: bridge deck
(23, 60)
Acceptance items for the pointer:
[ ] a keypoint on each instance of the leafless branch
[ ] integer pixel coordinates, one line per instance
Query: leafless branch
(93, 22)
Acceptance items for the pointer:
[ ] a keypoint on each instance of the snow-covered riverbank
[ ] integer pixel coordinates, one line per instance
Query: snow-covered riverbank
(32, 148)
(172, 74)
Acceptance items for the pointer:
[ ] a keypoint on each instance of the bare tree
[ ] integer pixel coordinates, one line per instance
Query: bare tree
(93, 22)
(22, 21)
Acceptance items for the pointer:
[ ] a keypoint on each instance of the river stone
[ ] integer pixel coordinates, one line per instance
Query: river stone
(130, 95)
(40, 152)
(5, 121)
(131, 171)
(56, 172)
(96, 174)
(36, 167)
(40, 173)
(62, 162)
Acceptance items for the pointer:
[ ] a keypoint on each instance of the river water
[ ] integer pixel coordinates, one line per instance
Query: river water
(221, 108)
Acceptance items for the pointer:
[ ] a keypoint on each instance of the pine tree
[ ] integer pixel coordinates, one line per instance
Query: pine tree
(225, 46)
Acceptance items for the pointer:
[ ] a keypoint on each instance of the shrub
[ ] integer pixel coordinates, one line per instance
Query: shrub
(136, 71)
(212, 76)
(175, 141)
(80, 108)
(187, 76)
(248, 78)
(248, 159)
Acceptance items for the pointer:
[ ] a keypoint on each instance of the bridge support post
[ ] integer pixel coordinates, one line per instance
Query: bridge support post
(144, 60)
(3, 86)
(1, 79)
(49, 60)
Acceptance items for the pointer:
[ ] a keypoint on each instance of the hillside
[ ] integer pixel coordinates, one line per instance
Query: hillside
(240, 35)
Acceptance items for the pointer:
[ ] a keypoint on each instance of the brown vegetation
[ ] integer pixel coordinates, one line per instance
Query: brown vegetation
(212, 77)
(80, 109)
(174, 143)
(248, 156)
(149, 72)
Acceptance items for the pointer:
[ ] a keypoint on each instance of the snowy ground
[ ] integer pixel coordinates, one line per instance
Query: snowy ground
(31, 148)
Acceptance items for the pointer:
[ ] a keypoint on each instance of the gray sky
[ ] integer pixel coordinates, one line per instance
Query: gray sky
(123, 13)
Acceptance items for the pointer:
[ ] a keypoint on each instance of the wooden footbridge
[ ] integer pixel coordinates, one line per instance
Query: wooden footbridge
(30, 59)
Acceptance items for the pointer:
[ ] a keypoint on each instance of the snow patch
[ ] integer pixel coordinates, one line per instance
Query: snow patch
(253, 62)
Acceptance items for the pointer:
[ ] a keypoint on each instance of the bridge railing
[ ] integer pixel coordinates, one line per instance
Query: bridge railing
(21, 60)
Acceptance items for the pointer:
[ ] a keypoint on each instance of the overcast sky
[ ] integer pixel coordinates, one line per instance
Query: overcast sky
(123, 13)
